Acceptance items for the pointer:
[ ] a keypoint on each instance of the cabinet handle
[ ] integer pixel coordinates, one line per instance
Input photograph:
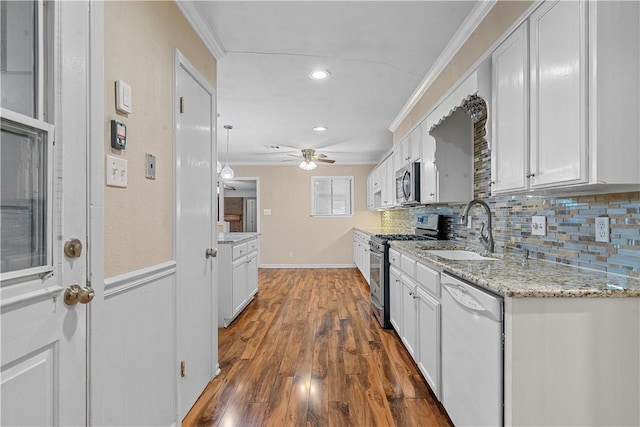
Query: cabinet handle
(530, 175)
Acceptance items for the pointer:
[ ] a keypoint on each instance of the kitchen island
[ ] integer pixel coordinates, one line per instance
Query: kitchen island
(238, 274)
(571, 336)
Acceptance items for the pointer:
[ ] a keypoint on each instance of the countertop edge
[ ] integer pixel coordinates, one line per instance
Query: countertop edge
(233, 238)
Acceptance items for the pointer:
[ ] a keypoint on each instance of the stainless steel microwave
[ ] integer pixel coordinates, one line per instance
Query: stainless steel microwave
(408, 185)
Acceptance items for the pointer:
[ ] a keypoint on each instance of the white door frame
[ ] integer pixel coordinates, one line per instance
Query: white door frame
(257, 180)
(95, 215)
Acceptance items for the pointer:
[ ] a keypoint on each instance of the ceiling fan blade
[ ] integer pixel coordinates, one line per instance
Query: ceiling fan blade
(320, 156)
(325, 161)
(293, 155)
(290, 160)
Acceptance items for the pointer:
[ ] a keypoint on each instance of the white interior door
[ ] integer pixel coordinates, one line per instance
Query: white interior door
(195, 233)
(43, 205)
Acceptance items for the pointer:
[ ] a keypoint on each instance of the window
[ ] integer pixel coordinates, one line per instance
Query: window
(332, 196)
(26, 144)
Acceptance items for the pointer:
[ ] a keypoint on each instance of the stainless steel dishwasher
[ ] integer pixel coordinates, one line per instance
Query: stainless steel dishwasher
(472, 354)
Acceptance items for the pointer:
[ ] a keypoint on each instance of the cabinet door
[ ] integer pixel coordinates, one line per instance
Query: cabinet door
(395, 300)
(428, 174)
(388, 183)
(365, 260)
(414, 149)
(558, 94)
(510, 146)
(239, 284)
(409, 312)
(252, 274)
(428, 351)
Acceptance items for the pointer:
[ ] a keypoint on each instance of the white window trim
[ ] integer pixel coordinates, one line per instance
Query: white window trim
(313, 199)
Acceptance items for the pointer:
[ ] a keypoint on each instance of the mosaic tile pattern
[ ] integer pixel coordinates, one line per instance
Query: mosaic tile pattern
(570, 235)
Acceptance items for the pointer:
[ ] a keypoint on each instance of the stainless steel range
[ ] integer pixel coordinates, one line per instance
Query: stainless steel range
(428, 228)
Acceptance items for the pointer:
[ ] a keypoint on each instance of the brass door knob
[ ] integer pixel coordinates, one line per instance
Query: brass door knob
(85, 295)
(77, 294)
(73, 248)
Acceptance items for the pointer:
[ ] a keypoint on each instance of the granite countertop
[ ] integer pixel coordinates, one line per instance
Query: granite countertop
(510, 276)
(372, 231)
(225, 238)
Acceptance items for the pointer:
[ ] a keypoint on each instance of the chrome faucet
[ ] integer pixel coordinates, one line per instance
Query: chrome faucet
(486, 240)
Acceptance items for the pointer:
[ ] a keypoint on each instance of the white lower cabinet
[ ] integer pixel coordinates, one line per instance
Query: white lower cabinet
(409, 315)
(428, 351)
(395, 299)
(414, 291)
(238, 278)
(361, 256)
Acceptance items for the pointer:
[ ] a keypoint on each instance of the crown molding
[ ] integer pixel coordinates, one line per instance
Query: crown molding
(475, 17)
(208, 37)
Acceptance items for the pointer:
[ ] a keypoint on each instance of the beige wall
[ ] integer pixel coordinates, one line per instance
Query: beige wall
(497, 21)
(140, 38)
(286, 190)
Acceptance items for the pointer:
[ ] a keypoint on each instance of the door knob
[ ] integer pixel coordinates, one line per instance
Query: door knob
(77, 294)
(211, 253)
(73, 248)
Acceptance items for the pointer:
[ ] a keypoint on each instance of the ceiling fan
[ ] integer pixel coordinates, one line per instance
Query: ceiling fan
(310, 158)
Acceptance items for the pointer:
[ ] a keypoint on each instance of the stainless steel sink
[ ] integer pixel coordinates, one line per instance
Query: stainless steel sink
(459, 255)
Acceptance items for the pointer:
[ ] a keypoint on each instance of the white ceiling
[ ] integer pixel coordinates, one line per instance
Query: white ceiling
(377, 53)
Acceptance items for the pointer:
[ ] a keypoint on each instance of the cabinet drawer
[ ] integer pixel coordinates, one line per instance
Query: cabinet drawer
(394, 258)
(252, 245)
(239, 250)
(408, 266)
(428, 279)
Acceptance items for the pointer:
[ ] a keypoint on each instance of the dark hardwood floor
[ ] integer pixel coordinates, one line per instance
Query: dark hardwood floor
(307, 351)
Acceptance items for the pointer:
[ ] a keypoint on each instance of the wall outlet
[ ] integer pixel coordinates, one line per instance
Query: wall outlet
(290, 254)
(539, 225)
(602, 229)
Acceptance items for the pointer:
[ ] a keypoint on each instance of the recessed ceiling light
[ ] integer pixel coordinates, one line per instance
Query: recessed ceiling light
(320, 128)
(319, 74)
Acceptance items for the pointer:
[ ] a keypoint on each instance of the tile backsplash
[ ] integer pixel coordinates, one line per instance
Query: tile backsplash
(570, 235)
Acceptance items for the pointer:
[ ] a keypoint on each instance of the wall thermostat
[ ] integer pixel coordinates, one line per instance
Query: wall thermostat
(118, 135)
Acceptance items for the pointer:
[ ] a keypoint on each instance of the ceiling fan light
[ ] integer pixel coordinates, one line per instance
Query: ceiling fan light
(319, 74)
(308, 165)
(227, 172)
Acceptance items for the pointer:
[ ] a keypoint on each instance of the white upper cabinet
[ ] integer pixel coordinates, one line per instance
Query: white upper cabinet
(408, 150)
(510, 153)
(569, 124)
(558, 94)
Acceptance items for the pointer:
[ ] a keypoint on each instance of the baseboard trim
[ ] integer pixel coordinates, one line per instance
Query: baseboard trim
(307, 266)
(133, 279)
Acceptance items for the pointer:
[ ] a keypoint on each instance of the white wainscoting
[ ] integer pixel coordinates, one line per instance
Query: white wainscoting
(140, 365)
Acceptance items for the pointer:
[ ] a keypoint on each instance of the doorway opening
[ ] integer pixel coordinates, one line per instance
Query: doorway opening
(239, 204)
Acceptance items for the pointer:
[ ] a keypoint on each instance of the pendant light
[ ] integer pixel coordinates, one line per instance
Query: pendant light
(227, 172)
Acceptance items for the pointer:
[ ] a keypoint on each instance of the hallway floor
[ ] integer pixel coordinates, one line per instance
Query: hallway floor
(307, 351)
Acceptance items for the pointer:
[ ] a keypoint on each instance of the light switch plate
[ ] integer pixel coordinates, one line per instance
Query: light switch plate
(116, 171)
(266, 211)
(151, 166)
(539, 225)
(123, 97)
(602, 229)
